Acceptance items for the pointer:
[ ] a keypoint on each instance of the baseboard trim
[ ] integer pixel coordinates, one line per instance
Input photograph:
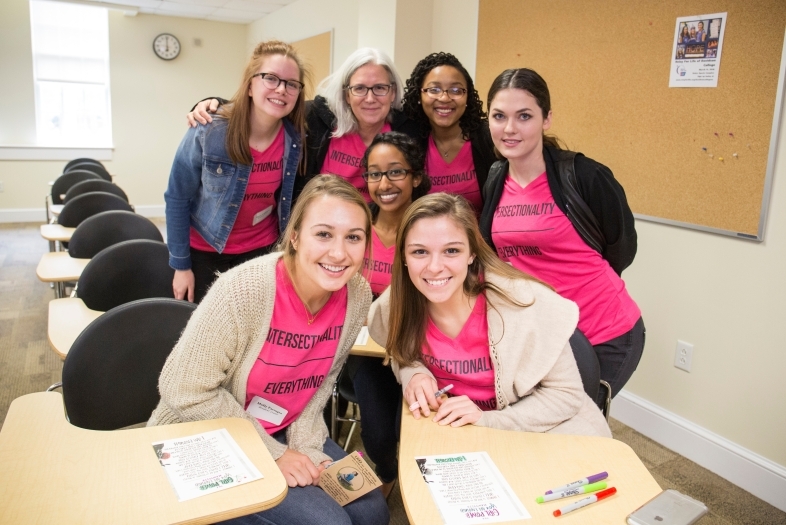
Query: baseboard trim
(39, 215)
(756, 474)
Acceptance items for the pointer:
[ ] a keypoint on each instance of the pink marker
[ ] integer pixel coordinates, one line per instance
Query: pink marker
(583, 481)
(603, 494)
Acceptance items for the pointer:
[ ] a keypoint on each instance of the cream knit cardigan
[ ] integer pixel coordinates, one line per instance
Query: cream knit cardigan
(205, 375)
(536, 379)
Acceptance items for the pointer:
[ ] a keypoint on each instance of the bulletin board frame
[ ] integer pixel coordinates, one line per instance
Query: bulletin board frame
(607, 64)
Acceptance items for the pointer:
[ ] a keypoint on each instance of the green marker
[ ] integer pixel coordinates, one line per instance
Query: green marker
(584, 489)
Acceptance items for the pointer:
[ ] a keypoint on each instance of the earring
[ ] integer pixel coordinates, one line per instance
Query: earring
(471, 261)
(418, 102)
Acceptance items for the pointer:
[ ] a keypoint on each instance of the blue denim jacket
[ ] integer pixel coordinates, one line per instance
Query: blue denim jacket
(206, 189)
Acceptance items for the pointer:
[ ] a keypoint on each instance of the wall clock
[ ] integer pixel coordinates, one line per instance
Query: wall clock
(166, 46)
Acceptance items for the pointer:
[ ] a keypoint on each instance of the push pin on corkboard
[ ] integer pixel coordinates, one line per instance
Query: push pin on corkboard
(735, 155)
(717, 135)
(712, 156)
(720, 159)
(704, 149)
(731, 134)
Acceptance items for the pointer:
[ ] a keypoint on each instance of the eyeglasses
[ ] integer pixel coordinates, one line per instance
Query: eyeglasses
(379, 90)
(436, 92)
(271, 81)
(396, 174)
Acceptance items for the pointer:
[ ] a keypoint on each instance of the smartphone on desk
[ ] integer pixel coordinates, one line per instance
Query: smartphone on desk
(668, 508)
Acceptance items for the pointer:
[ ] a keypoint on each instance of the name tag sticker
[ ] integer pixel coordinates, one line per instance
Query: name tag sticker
(266, 410)
(259, 217)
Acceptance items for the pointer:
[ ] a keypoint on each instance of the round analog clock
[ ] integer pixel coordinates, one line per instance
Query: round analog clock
(166, 46)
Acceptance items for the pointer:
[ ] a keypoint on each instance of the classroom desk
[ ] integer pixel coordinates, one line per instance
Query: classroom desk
(532, 464)
(56, 233)
(68, 317)
(370, 349)
(58, 268)
(54, 472)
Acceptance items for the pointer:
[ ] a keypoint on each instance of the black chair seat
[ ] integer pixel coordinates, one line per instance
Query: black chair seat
(84, 206)
(109, 228)
(82, 160)
(65, 181)
(94, 168)
(91, 185)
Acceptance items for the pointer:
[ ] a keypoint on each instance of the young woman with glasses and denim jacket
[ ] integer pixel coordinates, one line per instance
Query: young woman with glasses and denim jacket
(232, 181)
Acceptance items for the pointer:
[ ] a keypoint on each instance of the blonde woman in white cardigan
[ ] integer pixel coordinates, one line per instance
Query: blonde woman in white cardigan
(279, 328)
(456, 314)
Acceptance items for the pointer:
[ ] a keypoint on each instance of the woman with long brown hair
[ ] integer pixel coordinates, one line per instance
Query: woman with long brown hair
(232, 181)
(456, 314)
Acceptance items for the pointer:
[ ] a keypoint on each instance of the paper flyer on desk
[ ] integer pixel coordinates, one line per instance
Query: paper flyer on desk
(468, 488)
(696, 54)
(204, 463)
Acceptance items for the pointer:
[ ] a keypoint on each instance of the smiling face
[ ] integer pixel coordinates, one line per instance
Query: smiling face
(517, 124)
(274, 104)
(329, 246)
(444, 112)
(372, 110)
(390, 196)
(437, 254)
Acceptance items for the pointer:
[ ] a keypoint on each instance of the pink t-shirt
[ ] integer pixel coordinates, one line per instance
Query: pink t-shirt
(464, 361)
(256, 224)
(344, 158)
(458, 177)
(296, 356)
(533, 234)
(379, 267)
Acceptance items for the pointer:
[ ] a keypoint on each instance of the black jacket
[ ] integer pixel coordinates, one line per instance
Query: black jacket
(599, 190)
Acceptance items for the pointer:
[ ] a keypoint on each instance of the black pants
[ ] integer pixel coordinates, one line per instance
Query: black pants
(620, 356)
(207, 265)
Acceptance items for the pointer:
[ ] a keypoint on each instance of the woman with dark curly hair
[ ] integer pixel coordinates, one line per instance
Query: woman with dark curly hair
(441, 98)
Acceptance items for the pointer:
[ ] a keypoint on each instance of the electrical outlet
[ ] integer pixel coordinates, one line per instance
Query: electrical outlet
(683, 357)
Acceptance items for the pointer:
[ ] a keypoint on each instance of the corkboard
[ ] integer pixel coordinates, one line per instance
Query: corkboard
(607, 65)
(316, 52)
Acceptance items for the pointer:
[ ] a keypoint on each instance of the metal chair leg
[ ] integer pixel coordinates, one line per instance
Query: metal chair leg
(607, 404)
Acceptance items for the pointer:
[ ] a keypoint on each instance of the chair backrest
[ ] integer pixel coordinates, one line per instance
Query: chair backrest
(82, 160)
(110, 376)
(587, 361)
(63, 183)
(95, 168)
(125, 272)
(108, 228)
(87, 186)
(84, 206)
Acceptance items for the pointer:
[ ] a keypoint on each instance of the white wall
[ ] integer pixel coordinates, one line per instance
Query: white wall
(150, 98)
(455, 30)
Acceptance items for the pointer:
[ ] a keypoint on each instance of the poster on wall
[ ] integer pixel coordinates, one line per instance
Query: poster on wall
(696, 54)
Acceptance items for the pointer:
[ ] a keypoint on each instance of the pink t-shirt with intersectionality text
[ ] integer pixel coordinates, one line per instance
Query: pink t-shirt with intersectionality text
(378, 268)
(457, 177)
(535, 236)
(344, 158)
(256, 224)
(296, 356)
(463, 361)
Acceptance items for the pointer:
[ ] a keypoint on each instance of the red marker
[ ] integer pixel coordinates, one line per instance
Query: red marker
(586, 501)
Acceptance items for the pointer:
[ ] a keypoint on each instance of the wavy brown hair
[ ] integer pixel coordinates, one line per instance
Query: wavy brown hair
(239, 108)
(408, 307)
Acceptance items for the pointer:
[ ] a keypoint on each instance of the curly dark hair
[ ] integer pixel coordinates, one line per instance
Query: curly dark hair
(473, 116)
(413, 154)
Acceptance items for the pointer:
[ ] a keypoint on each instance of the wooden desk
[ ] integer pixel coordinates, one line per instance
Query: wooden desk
(532, 464)
(54, 472)
(58, 268)
(370, 349)
(67, 318)
(56, 233)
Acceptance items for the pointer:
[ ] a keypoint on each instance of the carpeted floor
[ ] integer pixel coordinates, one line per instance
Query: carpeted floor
(27, 364)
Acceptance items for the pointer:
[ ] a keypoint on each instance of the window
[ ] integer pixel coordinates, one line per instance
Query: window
(71, 70)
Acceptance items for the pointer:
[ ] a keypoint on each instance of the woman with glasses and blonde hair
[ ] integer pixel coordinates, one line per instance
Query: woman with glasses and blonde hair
(360, 100)
(232, 180)
(277, 330)
(456, 314)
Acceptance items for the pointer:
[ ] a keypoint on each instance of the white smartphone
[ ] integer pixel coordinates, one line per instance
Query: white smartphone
(668, 508)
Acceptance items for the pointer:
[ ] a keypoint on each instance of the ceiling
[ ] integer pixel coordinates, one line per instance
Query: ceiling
(236, 11)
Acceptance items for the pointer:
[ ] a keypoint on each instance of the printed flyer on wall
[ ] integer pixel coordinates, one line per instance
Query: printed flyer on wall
(204, 463)
(696, 54)
(468, 488)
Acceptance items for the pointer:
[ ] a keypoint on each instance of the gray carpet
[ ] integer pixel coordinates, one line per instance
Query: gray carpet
(27, 364)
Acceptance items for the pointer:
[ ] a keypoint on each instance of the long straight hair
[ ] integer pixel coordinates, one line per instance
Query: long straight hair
(239, 109)
(409, 307)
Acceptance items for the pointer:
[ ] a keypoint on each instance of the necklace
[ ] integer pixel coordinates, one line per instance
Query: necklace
(451, 143)
(310, 318)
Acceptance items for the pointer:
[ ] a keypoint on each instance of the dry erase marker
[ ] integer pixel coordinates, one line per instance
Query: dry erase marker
(586, 501)
(584, 489)
(414, 406)
(583, 481)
